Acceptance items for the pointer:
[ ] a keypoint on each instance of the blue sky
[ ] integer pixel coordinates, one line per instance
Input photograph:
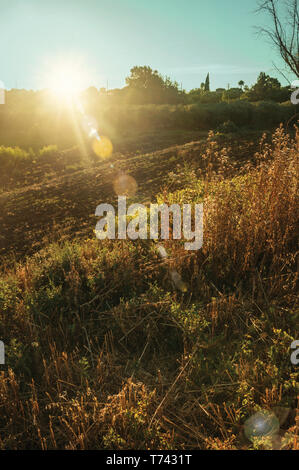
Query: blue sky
(184, 39)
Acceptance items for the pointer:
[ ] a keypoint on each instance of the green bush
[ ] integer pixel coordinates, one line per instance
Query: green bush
(227, 126)
(47, 151)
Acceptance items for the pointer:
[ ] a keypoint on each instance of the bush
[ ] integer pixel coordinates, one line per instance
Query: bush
(48, 151)
(13, 160)
(227, 127)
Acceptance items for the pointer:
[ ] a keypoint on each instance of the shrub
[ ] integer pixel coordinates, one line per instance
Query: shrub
(48, 151)
(227, 127)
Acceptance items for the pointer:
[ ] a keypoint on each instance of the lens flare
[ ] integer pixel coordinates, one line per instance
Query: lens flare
(101, 145)
(66, 79)
(178, 281)
(262, 424)
(125, 185)
(89, 123)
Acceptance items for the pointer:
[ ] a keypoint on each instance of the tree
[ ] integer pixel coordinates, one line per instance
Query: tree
(284, 33)
(144, 77)
(241, 84)
(267, 88)
(148, 86)
(198, 95)
(207, 83)
(231, 94)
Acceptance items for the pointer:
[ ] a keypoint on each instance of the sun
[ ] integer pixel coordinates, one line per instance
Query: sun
(66, 80)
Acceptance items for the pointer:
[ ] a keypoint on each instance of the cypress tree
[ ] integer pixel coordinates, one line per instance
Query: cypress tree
(207, 83)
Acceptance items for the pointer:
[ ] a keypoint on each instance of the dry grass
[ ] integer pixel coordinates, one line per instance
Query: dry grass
(102, 352)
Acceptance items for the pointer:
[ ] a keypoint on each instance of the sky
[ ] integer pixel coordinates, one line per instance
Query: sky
(182, 39)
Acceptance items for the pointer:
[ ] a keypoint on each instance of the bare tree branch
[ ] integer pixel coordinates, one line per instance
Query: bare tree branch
(285, 31)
